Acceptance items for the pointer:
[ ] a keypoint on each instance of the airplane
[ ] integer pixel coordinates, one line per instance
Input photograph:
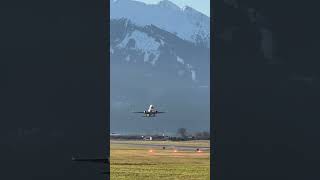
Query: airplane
(151, 112)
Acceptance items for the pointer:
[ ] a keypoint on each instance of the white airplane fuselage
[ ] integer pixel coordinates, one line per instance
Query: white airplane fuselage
(151, 111)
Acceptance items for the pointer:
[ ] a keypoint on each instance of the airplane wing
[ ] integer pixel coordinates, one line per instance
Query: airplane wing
(95, 160)
(138, 112)
(160, 112)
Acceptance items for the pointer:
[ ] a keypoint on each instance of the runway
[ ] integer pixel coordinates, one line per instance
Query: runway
(203, 148)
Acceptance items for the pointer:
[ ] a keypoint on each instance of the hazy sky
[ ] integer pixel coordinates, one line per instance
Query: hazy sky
(200, 5)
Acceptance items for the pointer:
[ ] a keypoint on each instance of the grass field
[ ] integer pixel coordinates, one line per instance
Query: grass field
(130, 162)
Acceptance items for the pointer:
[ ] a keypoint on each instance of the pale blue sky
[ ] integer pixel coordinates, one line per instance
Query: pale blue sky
(200, 5)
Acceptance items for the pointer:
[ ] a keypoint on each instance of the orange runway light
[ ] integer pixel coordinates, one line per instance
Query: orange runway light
(175, 150)
(150, 150)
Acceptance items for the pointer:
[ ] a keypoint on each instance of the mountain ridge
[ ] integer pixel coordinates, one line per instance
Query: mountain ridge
(187, 23)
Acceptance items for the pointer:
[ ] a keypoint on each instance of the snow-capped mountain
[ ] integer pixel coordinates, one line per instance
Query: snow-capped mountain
(153, 50)
(187, 23)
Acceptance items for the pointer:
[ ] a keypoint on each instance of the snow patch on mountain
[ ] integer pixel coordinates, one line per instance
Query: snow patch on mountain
(180, 60)
(153, 62)
(188, 67)
(141, 41)
(193, 75)
(146, 57)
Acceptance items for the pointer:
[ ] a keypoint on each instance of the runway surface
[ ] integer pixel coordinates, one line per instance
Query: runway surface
(165, 145)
